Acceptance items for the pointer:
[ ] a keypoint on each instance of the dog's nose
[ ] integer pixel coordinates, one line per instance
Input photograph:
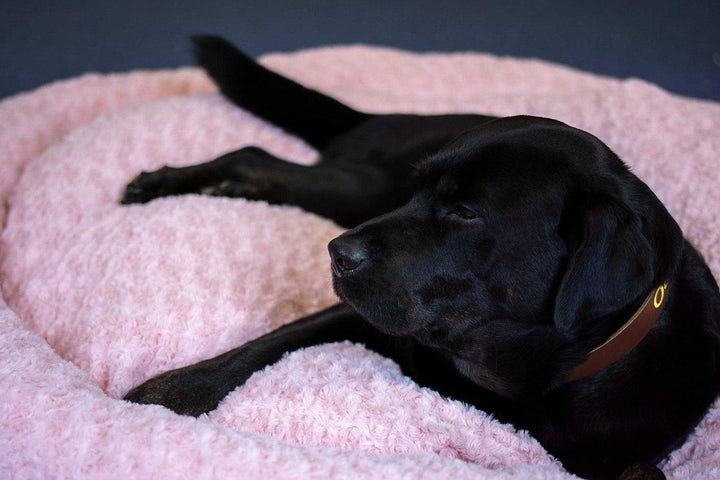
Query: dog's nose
(347, 254)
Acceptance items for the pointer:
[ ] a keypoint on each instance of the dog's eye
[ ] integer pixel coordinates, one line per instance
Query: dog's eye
(461, 211)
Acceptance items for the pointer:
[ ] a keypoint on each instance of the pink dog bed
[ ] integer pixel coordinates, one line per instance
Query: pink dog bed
(99, 297)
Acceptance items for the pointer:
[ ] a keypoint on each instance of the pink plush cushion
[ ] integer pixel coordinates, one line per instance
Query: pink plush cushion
(124, 293)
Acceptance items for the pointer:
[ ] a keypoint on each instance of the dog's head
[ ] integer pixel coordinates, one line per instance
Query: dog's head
(526, 243)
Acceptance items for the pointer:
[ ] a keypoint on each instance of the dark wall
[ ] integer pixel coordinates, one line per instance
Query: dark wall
(675, 44)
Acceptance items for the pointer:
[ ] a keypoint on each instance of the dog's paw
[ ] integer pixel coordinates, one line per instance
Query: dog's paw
(642, 471)
(183, 391)
(151, 185)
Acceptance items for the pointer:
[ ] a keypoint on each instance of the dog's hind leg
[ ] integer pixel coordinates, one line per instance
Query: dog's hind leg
(309, 114)
(346, 194)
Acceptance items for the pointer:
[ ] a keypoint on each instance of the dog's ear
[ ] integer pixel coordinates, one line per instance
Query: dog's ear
(615, 255)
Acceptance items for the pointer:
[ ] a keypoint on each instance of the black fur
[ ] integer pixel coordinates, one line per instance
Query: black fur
(488, 257)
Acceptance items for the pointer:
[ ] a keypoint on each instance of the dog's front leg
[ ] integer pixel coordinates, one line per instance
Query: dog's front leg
(347, 193)
(243, 173)
(199, 388)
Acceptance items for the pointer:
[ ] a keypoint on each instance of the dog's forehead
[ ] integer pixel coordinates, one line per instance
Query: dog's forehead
(513, 150)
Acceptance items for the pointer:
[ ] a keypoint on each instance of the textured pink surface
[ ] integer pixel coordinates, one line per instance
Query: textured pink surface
(103, 297)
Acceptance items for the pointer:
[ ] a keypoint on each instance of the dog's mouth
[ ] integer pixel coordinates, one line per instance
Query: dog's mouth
(346, 292)
(337, 282)
(375, 301)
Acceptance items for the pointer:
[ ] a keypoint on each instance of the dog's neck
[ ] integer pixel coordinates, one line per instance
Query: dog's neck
(626, 338)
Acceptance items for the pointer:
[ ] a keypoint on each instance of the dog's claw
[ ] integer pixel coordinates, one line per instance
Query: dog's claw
(233, 189)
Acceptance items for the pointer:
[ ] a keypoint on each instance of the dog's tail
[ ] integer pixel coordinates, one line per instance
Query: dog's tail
(314, 117)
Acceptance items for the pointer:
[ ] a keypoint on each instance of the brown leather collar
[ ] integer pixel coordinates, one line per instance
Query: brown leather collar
(626, 338)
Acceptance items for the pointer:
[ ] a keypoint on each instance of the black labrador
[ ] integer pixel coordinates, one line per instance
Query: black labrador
(515, 264)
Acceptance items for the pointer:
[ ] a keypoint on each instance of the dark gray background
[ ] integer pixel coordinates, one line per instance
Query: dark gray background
(675, 44)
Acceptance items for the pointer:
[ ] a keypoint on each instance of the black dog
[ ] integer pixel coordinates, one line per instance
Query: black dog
(490, 258)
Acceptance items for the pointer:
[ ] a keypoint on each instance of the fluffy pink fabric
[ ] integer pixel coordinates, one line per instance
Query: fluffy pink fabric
(103, 297)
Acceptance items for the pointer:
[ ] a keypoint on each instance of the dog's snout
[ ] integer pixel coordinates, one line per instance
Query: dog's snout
(347, 255)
